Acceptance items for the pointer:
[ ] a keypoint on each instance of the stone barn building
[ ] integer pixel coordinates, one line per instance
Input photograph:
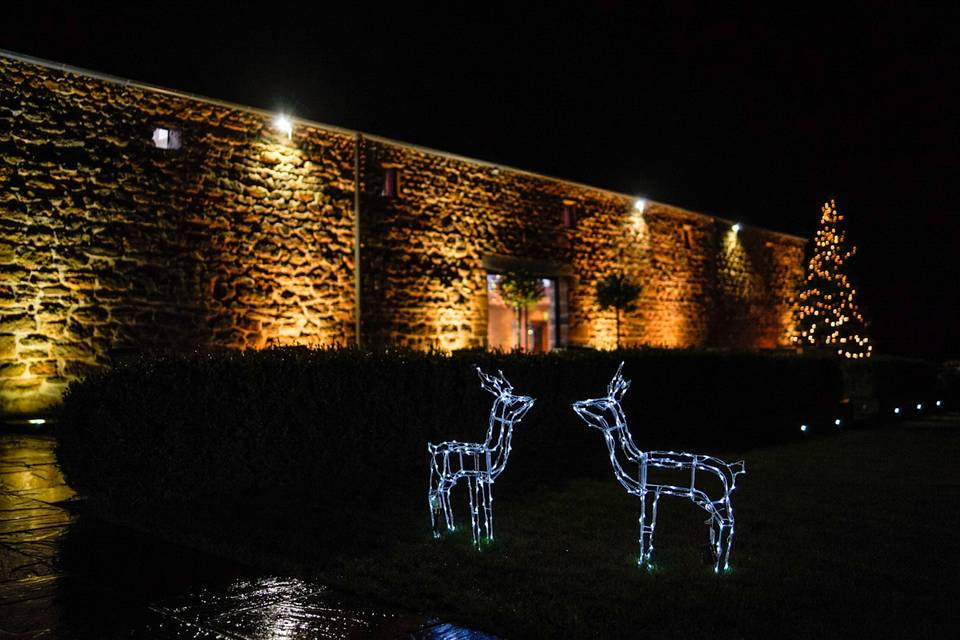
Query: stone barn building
(138, 217)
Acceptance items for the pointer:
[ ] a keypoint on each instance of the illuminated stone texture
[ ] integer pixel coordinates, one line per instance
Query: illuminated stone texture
(242, 238)
(425, 251)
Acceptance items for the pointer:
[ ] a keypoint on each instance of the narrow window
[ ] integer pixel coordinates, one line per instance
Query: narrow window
(686, 233)
(569, 214)
(164, 138)
(391, 181)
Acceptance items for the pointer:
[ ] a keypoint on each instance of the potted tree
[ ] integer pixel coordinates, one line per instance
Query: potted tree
(520, 289)
(619, 292)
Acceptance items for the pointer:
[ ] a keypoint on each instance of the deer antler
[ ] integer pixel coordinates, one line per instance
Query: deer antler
(498, 385)
(505, 385)
(618, 386)
(493, 384)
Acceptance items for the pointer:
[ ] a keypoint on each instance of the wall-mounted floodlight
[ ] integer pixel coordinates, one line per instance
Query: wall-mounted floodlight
(639, 205)
(284, 124)
(736, 227)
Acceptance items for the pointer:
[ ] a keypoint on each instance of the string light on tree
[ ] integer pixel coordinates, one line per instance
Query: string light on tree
(828, 315)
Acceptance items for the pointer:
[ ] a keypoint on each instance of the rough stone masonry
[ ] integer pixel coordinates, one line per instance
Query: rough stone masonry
(240, 237)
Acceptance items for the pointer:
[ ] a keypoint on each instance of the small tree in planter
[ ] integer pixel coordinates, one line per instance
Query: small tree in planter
(619, 292)
(520, 289)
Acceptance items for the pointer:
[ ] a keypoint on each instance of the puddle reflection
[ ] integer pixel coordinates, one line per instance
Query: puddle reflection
(67, 576)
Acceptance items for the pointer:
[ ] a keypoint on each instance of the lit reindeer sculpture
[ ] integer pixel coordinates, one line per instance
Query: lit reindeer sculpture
(479, 463)
(607, 415)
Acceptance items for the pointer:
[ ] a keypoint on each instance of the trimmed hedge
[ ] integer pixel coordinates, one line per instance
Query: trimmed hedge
(343, 423)
(877, 385)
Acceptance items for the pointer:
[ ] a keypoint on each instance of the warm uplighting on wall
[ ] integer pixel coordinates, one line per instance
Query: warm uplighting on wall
(284, 125)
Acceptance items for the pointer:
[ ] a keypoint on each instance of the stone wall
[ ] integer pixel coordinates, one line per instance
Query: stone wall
(244, 238)
(239, 238)
(426, 253)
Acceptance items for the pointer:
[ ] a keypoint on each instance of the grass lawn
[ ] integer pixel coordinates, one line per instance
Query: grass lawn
(844, 536)
(850, 535)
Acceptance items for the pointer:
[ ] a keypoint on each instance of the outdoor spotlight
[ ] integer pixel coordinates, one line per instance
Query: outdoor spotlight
(837, 422)
(37, 421)
(897, 411)
(283, 124)
(640, 205)
(939, 403)
(803, 427)
(919, 407)
(736, 227)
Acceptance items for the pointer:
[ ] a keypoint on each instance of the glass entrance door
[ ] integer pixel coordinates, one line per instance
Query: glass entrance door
(532, 329)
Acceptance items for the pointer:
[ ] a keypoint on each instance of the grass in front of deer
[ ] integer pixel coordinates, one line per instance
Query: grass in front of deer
(849, 535)
(836, 537)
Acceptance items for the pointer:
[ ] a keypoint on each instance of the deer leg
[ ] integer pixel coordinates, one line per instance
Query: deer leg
(724, 544)
(486, 490)
(648, 522)
(445, 487)
(721, 535)
(474, 525)
(719, 528)
(434, 498)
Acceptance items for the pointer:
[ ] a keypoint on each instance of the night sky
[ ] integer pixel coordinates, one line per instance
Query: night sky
(756, 117)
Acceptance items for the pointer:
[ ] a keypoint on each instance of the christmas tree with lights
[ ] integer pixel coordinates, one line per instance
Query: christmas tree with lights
(828, 316)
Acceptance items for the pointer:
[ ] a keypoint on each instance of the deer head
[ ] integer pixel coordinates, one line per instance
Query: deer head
(515, 406)
(605, 413)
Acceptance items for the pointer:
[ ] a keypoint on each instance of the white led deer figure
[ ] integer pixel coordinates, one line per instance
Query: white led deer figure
(479, 463)
(607, 415)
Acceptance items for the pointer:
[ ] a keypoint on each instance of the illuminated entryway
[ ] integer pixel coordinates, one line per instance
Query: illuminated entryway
(532, 329)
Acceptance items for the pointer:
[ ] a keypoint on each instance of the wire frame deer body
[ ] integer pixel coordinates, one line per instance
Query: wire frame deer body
(607, 415)
(478, 463)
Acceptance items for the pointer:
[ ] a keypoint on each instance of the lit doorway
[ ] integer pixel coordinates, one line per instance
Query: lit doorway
(533, 329)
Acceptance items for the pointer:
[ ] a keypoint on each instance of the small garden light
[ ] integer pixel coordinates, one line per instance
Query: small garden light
(919, 407)
(37, 421)
(939, 403)
(838, 422)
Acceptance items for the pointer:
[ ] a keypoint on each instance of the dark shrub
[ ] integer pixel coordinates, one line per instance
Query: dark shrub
(878, 385)
(345, 424)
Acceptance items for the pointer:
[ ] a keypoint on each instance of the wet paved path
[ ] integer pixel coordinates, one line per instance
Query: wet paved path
(67, 576)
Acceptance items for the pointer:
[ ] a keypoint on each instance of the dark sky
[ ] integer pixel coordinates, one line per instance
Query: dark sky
(756, 116)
